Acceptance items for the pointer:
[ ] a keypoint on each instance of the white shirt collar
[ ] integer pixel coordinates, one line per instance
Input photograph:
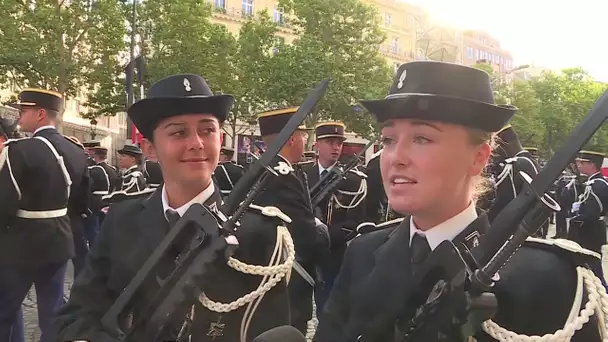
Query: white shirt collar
(447, 230)
(321, 168)
(44, 127)
(200, 198)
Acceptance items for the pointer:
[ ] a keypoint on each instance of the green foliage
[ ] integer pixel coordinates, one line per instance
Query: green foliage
(550, 106)
(70, 46)
(338, 39)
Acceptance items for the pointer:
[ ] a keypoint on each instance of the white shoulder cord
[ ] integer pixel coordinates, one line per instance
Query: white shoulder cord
(4, 160)
(273, 273)
(358, 196)
(589, 191)
(597, 304)
(61, 162)
(227, 177)
(507, 171)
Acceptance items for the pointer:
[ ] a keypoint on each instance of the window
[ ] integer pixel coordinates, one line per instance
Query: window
(247, 7)
(387, 19)
(470, 52)
(395, 45)
(221, 4)
(277, 16)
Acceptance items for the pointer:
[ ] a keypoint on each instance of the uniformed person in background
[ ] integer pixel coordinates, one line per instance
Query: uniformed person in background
(8, 130)
(129, 160)
(508, 159)
(44, 182)
(88, 148)
(151, 167)
(342, 209)
(587, 224)
(436, 136)
(290, 194)
(100, 156)
(227, 173)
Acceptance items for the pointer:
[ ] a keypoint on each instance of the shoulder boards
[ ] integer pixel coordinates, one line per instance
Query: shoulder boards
(270, 211)
(566, 245)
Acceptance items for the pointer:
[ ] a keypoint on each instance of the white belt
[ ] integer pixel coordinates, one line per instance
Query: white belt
(225, 191)
(45, 214)
(100, 193)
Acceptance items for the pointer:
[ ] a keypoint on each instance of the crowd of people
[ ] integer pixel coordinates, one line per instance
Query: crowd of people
(450, 163)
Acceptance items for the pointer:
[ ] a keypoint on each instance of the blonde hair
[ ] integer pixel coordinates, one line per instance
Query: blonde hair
(481, 184)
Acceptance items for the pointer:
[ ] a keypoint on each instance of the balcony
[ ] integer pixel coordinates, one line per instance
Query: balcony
(237, 14)
(396, 53)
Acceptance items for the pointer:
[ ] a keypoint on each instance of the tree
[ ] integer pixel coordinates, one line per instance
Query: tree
(61, 45)
(254, 69)
(338, 39)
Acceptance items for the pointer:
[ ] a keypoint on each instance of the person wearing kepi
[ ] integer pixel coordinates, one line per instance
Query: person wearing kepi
(587, 225)
(227, 173)
(290, 194)
(342, 209)
(133, 179)
(44, 191)
(181, 118)
(437, 124)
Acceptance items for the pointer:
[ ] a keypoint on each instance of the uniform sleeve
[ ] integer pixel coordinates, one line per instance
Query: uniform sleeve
(90, 297)
(11, 175)
(334, 317)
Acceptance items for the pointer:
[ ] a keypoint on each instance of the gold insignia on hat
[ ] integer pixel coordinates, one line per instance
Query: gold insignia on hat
(401, 79)
(187, 85)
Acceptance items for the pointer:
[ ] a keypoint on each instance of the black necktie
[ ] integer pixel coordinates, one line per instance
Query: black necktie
(172, 217)
(323, 173)
(420, 250)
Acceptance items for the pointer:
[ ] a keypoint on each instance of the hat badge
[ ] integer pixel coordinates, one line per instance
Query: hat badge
(187, 85)
(401, 79)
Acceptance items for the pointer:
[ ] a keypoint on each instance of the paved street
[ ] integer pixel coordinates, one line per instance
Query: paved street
(30, 314)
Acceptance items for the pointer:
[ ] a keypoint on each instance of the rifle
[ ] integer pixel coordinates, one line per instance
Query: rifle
(327, 183)
(451, 270)
(201, 242)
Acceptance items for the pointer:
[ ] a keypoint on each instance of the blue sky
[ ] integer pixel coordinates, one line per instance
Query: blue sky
(554, 34)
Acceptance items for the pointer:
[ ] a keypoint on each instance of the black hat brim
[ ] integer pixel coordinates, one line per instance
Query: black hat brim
(147, 113)
(479, 115)
(129, 153)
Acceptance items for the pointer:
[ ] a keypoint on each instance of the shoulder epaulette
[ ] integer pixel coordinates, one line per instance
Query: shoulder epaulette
(564, 244)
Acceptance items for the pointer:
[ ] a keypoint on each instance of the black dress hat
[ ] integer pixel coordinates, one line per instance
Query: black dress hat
(42, 98)
(100, 151)
(273, 121)
(330, 130)
(444, 92)
(228, 150)
(130, 150)
(91, 144)
(533, 150)
(178, 95)
(596, 158)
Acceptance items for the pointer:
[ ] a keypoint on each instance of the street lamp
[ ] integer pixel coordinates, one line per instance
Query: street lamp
(252, 125)
(93, 123)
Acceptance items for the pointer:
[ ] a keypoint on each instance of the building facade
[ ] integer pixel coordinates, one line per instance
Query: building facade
(479, 46)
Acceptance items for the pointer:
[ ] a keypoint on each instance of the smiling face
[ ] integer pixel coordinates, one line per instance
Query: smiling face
(187, 148)
(427, 167)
